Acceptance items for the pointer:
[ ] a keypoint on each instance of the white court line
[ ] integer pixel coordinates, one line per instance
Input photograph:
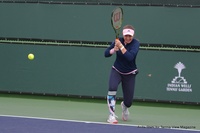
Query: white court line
(54, 119)
(92, 122)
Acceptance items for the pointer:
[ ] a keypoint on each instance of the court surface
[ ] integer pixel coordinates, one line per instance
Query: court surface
(42, 114)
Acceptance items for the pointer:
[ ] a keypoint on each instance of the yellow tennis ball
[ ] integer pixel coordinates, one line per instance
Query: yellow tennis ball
(30, 56)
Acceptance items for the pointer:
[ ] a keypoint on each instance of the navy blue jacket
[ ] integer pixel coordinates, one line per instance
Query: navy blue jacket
(126, 62)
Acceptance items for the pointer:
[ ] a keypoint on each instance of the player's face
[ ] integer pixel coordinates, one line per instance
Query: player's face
(128, 39)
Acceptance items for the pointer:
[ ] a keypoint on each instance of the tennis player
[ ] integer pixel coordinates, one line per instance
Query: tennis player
(123, 71)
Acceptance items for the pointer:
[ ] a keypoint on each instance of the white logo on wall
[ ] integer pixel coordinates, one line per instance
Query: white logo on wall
(179, 83)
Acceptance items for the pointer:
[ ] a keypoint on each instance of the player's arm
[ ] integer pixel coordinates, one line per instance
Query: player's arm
(119, 45)
(129, 55)
(111, 50)
(123, 49)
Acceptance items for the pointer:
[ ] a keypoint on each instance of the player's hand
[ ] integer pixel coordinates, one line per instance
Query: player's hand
(116, 48)
(118, 43)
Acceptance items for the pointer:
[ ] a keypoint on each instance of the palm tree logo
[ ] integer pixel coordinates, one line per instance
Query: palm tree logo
(178, 79)
(179, 66)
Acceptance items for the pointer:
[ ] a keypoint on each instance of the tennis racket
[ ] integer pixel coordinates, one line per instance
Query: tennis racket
(116, 20)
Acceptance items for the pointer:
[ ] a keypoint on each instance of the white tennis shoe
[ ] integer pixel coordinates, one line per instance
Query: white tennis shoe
(125, 112)
(112, 119)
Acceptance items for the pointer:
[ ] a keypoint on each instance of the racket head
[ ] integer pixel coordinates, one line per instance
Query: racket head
(116, 20)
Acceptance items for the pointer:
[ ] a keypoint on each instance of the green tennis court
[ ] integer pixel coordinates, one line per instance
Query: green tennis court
(149, 114)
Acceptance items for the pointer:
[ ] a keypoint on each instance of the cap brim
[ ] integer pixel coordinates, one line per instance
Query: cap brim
(128, 34)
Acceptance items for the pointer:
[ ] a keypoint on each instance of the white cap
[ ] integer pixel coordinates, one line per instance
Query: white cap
(128, 32)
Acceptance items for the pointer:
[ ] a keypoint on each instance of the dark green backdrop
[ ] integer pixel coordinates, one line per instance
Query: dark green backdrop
(84, 71)
(160, 25)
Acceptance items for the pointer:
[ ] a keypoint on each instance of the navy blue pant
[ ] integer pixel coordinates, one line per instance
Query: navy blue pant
(128, 85)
